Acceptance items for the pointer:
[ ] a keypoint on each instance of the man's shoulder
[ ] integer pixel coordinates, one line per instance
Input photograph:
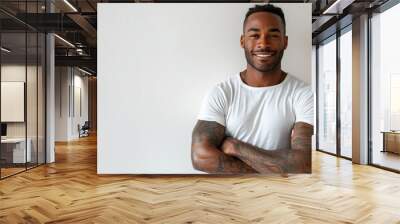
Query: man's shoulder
(228, 84)
(300, 91)
(293, 80)
(223, 89)
(297, 85)
(230, 81)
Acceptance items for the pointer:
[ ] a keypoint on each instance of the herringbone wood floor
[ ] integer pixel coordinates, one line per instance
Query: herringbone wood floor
(70, 191)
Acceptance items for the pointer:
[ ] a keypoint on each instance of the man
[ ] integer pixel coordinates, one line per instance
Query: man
(261, 120)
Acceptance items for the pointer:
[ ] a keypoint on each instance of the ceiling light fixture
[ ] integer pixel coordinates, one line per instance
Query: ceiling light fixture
(5, 50)
(64, 40)
(84, 71)
(337, 7)
(70, 5)
(79, 51)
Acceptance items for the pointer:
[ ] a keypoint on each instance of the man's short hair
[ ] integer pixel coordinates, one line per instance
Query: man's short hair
(266, 8)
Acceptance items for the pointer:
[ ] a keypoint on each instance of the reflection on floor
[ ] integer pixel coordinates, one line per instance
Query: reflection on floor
(387, 159)
(346, 152)
(71, 191)
(10, 169)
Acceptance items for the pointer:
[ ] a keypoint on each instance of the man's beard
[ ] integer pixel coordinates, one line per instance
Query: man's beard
(264, 67)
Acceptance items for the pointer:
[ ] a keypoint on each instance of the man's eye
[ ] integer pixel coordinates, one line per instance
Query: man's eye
(254, 35)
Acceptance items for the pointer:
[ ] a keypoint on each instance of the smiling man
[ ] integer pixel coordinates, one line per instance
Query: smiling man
(261, 119)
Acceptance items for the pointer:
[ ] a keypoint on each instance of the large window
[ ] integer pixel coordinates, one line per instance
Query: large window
(334, 137)
(327, 96)
(346, 92)
(385, 87)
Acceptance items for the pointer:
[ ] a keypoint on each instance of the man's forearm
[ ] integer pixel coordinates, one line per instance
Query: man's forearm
(207, 137)
(275, 161)
(220, 163)
(230, 164)
(294, 160)
(225, 164)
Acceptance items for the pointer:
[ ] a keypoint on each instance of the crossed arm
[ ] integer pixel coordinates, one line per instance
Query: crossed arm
(212, 152)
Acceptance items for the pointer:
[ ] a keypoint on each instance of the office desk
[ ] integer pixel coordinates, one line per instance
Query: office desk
(391, 141)
(13, 150)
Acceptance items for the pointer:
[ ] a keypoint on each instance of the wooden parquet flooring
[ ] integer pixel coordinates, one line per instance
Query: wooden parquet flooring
(70, 191)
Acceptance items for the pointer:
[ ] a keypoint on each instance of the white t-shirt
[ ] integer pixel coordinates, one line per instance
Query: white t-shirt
(261, 116)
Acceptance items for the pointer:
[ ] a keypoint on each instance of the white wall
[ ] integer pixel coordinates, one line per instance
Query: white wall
(67, 116)
(80, 84)
(61, 103)
(155, 64)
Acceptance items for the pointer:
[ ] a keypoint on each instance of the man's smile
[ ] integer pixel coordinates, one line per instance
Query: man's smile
(264, 55)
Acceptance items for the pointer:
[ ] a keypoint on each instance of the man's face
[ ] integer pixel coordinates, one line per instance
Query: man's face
(264, 41)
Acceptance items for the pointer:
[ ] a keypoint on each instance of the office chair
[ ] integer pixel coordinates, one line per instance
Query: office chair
(84, 130)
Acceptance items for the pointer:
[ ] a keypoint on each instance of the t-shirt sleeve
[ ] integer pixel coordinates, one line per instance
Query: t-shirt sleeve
(304, 106)
(214, 106)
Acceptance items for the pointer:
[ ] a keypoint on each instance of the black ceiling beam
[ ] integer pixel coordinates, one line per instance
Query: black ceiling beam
(64, 51)
(91, 5)
(331, 30)
(8, 24)
(49, 22)
(82, 61)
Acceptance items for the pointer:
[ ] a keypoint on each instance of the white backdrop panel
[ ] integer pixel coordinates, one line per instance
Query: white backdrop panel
(155, 64)
(12, 101)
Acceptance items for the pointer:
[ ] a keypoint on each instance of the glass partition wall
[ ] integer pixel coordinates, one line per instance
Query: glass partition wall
(13, 89)
(334, 89)
(345, 62)
(22, 99)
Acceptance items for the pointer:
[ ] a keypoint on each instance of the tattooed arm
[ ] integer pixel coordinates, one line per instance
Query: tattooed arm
(207, 137)
(294, 160)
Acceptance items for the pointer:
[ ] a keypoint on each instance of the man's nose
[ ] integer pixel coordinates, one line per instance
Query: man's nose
(264, 41)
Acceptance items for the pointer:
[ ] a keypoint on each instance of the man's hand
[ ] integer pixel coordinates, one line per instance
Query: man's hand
(236, 148)
(229, 146)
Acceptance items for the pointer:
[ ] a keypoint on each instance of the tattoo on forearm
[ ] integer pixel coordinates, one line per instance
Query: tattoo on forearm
(294, 160)
(232, 165)
(259, 159)
(208, 131)
(301, 138)
(301, 143)
(211, 134)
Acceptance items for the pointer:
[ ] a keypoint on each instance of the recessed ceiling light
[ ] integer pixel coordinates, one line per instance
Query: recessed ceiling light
(70, 5)
(84, 71)
(5, 50)
(337, 7)
(64, 40)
